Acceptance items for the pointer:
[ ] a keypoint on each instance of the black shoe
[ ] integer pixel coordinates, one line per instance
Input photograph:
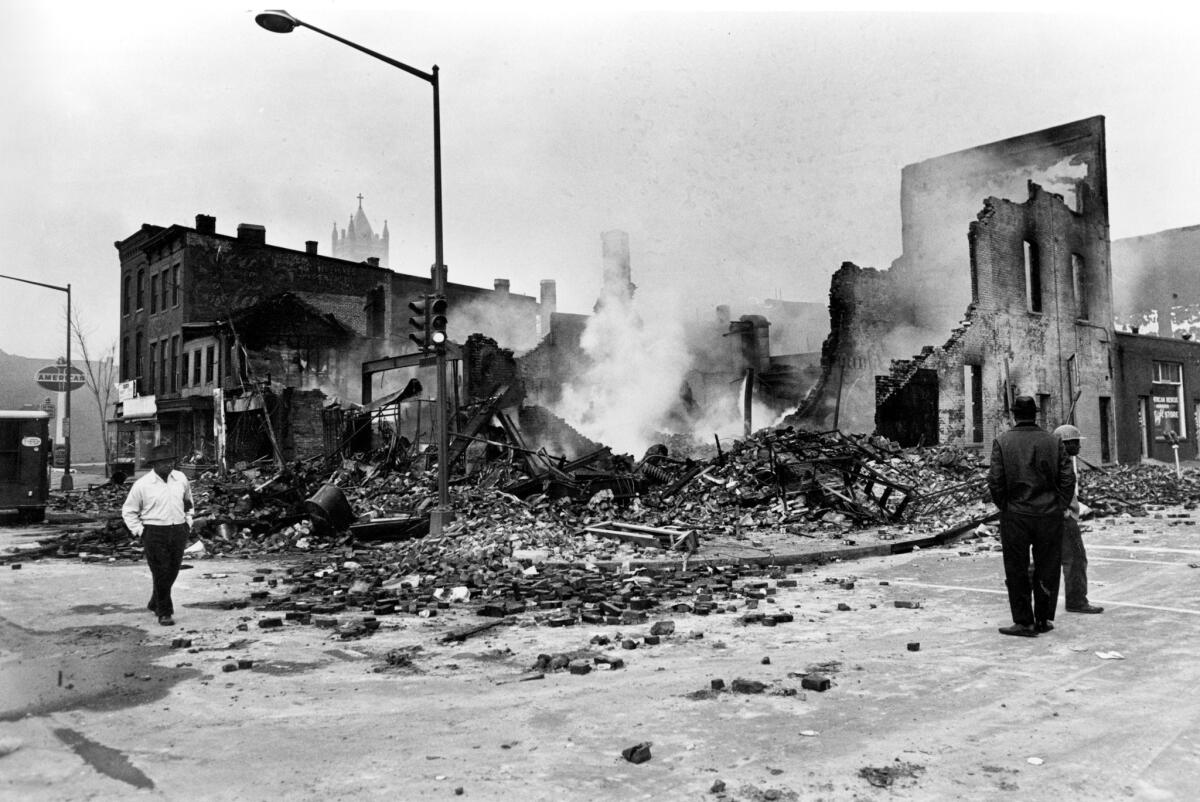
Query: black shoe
(1043, 626)
(1087, 608)
(166, 620)
(1019, 630)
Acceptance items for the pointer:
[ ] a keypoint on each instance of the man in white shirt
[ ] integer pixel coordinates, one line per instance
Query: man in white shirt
(159, 511)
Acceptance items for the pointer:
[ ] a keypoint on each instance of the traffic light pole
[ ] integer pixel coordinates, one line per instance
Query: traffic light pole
(442, 514)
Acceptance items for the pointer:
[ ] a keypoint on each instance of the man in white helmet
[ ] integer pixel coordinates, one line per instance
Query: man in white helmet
(1074, 558)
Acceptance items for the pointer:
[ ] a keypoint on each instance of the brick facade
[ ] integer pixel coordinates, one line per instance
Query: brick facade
(1143, 399)
(196, 284)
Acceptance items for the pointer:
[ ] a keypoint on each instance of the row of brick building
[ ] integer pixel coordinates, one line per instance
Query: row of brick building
(1005, 286)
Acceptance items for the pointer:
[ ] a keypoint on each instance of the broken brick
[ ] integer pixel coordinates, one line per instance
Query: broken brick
(638, 753)
(815, 682)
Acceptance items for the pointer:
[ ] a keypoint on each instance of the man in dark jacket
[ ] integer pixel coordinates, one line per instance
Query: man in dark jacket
(1031, 481)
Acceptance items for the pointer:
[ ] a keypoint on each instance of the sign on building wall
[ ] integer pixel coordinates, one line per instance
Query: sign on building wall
(1167, 413)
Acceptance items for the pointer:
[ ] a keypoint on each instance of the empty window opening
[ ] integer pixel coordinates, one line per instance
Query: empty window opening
(1033, 278)
(1105, 430)
(375, 309)
(1144, 424)
(210, 361)
(973, 381)
(1079, 284)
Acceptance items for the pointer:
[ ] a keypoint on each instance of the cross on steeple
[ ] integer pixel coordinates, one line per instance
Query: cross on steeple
(360, 197)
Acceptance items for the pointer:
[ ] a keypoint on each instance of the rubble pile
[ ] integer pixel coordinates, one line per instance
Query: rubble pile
(1130, 488)
(360, 585)
(601, 508)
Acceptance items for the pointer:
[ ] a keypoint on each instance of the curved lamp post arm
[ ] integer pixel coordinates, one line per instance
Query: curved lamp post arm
(280, 21)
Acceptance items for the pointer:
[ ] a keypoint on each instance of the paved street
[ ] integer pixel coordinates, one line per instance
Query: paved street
(96, 704)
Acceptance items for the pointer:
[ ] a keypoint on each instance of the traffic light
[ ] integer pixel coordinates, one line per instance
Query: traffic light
(420, 323)
(437, 321)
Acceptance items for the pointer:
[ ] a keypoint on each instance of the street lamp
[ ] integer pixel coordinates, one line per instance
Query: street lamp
(279, 21)
(67, 482)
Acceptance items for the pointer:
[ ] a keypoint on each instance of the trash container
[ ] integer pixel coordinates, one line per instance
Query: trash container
(329, 507)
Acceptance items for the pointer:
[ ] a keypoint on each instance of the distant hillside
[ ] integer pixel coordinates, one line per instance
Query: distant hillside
(18, 388)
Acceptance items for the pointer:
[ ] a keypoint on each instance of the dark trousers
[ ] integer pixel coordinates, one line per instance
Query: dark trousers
(164, 547)
(1021, 535)
(1074, 565)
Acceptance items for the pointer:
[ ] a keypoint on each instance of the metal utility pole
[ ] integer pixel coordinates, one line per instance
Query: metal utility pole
(279, 21)
(67, 482)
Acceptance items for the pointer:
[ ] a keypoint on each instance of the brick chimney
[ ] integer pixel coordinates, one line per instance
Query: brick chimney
(206, 224)
(373, 261)
(252, 234)
(549, 304)
(310, 247)
(501, 285)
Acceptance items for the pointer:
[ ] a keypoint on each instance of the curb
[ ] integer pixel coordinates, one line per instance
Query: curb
(794, 558)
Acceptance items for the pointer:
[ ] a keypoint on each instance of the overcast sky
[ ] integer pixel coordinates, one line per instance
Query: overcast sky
(747, 154)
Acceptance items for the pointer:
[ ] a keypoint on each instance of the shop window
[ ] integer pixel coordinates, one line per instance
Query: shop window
(1167, 401)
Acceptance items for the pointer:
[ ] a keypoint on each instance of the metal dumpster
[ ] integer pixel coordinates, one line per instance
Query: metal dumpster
(25, 463)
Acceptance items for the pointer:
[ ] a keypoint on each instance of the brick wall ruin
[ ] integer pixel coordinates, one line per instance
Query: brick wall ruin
(1019, 294)
(1040, 326)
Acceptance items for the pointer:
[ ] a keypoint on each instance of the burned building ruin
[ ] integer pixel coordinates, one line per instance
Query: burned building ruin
(220, 331)
(1006, 287)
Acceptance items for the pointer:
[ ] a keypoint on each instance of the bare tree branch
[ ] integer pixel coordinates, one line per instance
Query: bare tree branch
(98, 376)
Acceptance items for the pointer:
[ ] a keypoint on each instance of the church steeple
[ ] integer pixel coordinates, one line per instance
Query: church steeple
(359, 242)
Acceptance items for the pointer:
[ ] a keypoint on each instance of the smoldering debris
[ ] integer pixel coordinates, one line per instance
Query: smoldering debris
(603, 539)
